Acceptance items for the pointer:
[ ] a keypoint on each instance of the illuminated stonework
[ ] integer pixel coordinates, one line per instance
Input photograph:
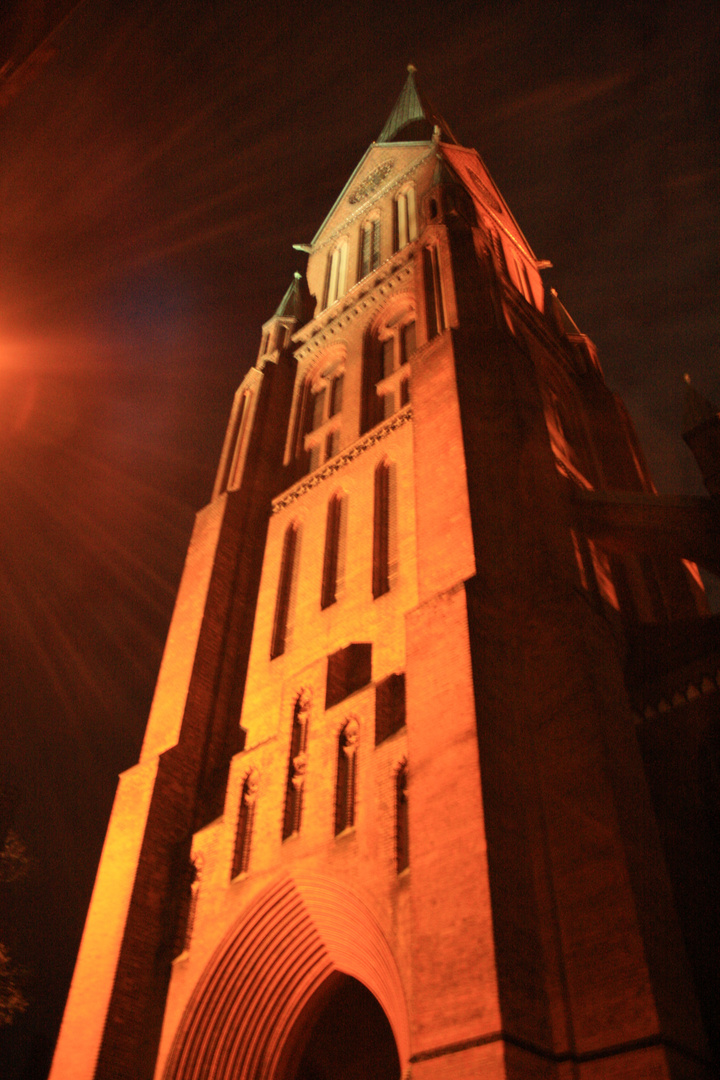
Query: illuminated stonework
(371, 183)
(397, 721)
(336, 464)
(485, 192)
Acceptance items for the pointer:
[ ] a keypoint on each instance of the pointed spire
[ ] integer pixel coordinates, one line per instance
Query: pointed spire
(413, 118)
(697, 409)
(297, 302)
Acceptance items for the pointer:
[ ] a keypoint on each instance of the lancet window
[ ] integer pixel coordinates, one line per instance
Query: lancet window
(336, 280)
(228, 477)
(297, 764)
(334, 551)
(402, 825)
(323, 411)
(384, 528)
(386, 376)
(346, 776)
(286, 582)
(434, 306)
(246, 818)
(369, 258)
(405, 218)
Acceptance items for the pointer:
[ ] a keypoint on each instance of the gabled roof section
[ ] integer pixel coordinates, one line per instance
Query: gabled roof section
(413, 118)
(375, 154)
(474, 174)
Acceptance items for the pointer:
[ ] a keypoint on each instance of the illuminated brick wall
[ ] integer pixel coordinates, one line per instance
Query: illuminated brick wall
(394, 514)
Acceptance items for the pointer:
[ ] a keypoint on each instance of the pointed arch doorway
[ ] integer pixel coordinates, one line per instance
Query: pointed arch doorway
(304, 986)
(343, 1035)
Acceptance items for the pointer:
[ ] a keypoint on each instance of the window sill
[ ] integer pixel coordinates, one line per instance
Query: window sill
(350, 831)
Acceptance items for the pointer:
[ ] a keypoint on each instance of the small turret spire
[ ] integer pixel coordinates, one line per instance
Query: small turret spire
(296, 303)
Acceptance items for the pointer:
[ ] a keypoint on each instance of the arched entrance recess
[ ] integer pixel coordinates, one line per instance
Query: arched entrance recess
(281, 962)
(346, 1036)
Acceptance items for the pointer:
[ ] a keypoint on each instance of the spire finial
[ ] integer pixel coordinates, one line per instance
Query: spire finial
(412, 69)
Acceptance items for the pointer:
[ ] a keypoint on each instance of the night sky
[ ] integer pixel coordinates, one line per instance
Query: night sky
(158, 159)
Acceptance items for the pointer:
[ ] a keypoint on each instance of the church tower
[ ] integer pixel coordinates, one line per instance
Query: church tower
(390, 816)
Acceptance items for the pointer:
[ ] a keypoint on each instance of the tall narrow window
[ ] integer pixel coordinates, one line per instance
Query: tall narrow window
(233, 445)
(186, 908)
(405, 218)
(333, 531)
(386, 351)
(402, 830)
(336, 274)
(297, 764)
(336, 394)
(407, 342)
(383, 527)
(319, 407)
(284, 593)
(246, 817)
(346, 776)
(433, 292)
(332, 444)
(371, 412)
(314, 461)
(369, 247)
(323, 407)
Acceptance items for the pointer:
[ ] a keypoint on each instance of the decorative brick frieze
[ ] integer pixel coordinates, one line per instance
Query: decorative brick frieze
(381, 193)
(331, 467)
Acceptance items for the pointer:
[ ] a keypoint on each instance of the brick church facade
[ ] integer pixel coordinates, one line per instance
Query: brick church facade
(422, 787)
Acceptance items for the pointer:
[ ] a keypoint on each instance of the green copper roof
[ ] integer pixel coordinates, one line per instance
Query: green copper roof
(296, 303)
(412, 118)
